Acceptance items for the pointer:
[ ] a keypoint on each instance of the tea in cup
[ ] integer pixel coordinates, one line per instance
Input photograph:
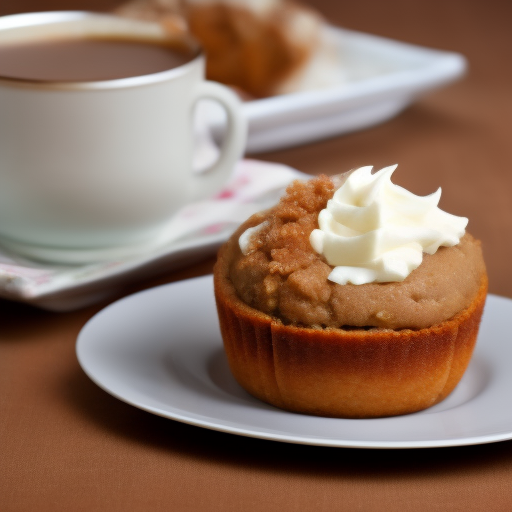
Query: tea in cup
(96, 133)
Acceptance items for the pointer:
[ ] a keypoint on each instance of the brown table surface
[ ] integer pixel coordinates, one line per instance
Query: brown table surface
(67, 445)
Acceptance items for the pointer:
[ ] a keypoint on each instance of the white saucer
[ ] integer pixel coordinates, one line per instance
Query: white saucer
(89, 256)
(194, 233)
(155, 351)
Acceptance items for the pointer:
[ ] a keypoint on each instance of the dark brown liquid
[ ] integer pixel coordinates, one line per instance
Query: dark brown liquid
(88, 59)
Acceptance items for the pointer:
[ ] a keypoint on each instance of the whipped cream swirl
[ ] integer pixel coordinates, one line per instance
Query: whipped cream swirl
(375, 231)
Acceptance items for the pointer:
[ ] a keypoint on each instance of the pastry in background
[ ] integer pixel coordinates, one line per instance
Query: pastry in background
(262, 48)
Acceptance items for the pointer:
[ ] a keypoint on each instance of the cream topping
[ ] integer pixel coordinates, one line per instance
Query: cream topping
(244, 242)
(375, 231)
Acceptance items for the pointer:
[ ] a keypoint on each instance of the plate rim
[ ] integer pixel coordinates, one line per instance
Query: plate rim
(175, 415)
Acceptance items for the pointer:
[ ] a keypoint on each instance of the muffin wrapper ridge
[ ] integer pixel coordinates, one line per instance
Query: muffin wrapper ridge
(345, 373)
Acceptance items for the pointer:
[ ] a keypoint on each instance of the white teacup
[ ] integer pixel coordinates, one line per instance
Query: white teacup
(89, 166)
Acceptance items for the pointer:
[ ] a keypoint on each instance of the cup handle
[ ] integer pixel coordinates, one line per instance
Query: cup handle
(212, 179)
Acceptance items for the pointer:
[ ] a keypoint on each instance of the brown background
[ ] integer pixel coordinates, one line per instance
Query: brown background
(67, 445)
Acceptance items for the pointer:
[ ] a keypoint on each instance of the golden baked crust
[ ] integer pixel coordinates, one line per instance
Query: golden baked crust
(354, 373)
(284, 277)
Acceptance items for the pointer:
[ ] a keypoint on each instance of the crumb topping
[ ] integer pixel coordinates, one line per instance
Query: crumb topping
(280, 274)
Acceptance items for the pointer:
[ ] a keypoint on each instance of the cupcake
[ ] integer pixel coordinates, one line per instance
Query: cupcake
(351, 298)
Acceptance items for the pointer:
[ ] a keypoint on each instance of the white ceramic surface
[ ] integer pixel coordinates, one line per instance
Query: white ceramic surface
(194, 233)
(381, 78)
(160, 350)
(104, 163)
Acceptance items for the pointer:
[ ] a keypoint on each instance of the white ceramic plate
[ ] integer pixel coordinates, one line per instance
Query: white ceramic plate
(381, 78)
(160, 350)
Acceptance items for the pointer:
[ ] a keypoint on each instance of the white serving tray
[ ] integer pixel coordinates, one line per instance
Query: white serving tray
(381, 78)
